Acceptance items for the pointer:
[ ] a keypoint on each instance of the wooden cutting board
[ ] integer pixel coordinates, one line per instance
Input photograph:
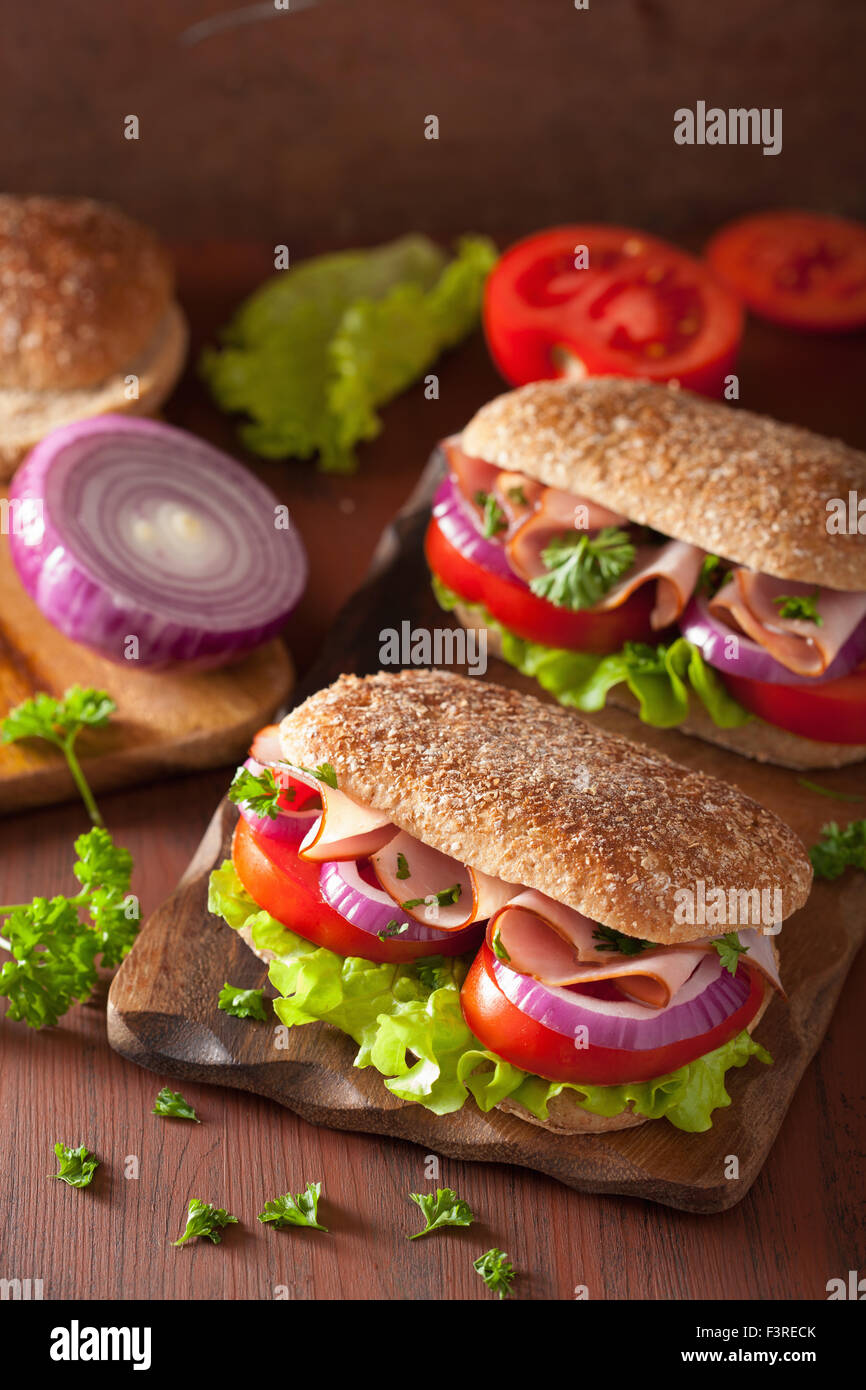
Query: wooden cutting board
(162, 1005)
(166, 722)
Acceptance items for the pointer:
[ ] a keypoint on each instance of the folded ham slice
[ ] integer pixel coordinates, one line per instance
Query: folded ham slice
(554, 514)
(344, 830)
(675, 566)
(746, 603)
(536, 936)
(412, 872)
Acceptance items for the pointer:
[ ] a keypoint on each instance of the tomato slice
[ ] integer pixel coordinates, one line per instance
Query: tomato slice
(512, 1035)
(802, 269)
(527, 615)
(288, 888)
(640, 307)
(831, 713)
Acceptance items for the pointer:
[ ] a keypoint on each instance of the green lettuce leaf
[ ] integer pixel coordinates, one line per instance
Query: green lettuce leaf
(661, 678)
(317, 348)
(407, 1023)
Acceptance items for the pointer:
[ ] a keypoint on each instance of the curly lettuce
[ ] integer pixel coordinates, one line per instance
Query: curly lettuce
(661, 678)
(407, 1023)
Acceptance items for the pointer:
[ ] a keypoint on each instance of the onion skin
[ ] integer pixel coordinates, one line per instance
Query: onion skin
(103, 609)
(754, 663)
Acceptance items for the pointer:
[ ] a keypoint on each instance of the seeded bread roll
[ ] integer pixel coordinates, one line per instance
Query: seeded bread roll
(528, 792)
(86, 300)
(734, 483)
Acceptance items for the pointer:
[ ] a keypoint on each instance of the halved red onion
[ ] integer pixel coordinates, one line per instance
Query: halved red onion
(710, 996)
(372, 910)
(460, 528)
(710, 635)
(139, 530)
(288, 827)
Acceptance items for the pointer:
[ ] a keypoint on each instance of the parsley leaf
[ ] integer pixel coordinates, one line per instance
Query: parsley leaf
(444, 897)
(517, 496)
(730, 948)
(324, 773)
(828, 791)
(802, 606)
(205, 1220)
(838, 850)
(581, 569)
(608, 939)
(54, 951)
(402, 867)
(259, 791)
(173, 1105)
(393, 928)
(499, 950)
(299, 1210)
(60, 722)
(77, 1166)
(445, 1209)
(493, 519)
(495, 1270)
(242, 1003)
(712, 575)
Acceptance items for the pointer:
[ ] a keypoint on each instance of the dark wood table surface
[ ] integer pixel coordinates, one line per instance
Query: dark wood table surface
(801, 1224)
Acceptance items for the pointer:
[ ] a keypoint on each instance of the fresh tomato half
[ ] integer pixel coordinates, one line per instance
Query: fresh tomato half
(288, 888)
(638, 307)
(512, 1035)
(801, 269)
(831, 713)
(527, 615)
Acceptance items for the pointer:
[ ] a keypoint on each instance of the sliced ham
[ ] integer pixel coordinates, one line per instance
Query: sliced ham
(472, 475)
(344, 830)
(746, 603)
(675, 566)
(428, 872)
(536, 936)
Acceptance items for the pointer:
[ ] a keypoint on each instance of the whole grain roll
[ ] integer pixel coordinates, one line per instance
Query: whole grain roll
(739, 485)
(83, 289)
(526, 791)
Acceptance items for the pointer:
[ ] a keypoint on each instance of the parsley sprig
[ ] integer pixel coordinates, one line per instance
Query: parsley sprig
(203, 1219)
(259, 791)
(495, 1270)
(60, 722)
(323, 773)
(242, 1003)
(493, 519)
(582, 568)
(802, 606)
(173, 1106)
(730, 948)
(838, 850)
(445, 897)
(608, 939)
(443, 1209)
(77, 1166)
(300, 1209)
(55, 941)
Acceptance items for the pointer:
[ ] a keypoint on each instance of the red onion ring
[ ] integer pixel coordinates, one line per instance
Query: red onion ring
(459, 526)
(142, 530)
(709, 635)
(288, 827)
(707, 998)
(371, 910)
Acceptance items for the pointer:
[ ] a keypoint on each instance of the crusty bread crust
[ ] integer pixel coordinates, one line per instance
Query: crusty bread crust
(757, 740)
(565, 1116)
(737, 484)
(82, 290)
(27, 416)
(527, 791)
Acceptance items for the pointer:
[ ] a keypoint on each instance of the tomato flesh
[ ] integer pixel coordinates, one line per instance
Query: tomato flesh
(503, 1028)
(831, 713)
(512, 603)
(287, 887)
(801, 269)
(640, 307)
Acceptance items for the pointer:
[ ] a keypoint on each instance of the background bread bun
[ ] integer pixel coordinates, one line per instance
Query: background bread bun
(734, 483)
(86, 300)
